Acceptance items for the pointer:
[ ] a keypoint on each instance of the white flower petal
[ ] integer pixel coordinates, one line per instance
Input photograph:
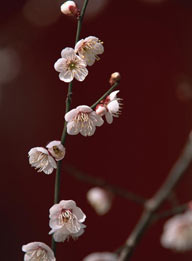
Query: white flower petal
(80, 74)
(66, 76)
(109, 117)
(113, 106)
(68, 52)
(113, 95)
(60, 65)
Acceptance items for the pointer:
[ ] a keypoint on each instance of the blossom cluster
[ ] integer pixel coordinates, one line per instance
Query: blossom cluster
(65, 218)
(84, 119)
(73, 62)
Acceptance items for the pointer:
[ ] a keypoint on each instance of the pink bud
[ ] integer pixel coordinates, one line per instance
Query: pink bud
(70, 8)
(100, 109)
(115, 77)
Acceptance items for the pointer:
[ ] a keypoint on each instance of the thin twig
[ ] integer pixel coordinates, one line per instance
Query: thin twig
(104, 95)
(102, 183)
(155, 202)
(170, 212)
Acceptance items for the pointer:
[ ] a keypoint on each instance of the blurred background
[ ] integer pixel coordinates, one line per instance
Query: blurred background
(150, 43)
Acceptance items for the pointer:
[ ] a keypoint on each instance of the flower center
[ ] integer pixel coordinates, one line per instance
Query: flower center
(72, 65)
(65, 216)
(82, 117)
(38, 255)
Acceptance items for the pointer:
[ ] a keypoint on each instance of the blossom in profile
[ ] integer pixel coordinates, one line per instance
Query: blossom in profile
(100, 200)
(70, 66)
(40, 159)
(110, 107)
(56, 149)
(82, 120)
(38, 251)
(70, 8)
(177, 233)
(89, 49)
(66, 220)
(101, 256)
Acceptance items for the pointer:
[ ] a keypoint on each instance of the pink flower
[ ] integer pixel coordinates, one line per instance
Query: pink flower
(110, 107)
(89, 48)
(70, 66)
(38, 251)
(82, 120)
(56, 149)
(40, 159)
(177, 233)
(66, 220)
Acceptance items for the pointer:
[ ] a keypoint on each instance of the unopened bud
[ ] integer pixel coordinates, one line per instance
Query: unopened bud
(100, 109)
(100, 200)
(70, 8)
(115, 77)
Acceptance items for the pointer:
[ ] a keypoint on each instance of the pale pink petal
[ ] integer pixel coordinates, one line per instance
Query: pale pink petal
(109, 117)
(72, 128)
(66, 76)
(60, 65)
(113, 95)
(78, 45)
(113, 106)
(68, 52)
(80, 73)
(69, 116)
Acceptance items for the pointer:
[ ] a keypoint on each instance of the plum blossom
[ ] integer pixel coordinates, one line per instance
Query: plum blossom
(40, 159)
(82, 120)
(38, 251)
(66, 220)
(103, 256)
(110, 107)
(69, 8)
(100, 200)
(89, 48)
(70, 66)
(177, 234)
(56, 149)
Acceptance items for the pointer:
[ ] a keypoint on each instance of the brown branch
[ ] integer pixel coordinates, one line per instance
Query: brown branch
(102, 183)
(152, 205)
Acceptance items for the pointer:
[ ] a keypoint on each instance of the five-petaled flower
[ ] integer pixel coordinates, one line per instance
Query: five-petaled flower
(177, 234)
(70, 66)
(66, 220)
(40, 159)
(110, 107)
(56, 149)
(38, 251)
(101, 256)
(89, 48)
(82, 119)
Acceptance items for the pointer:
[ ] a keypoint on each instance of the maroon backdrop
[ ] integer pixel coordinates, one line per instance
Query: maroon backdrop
(151, 46)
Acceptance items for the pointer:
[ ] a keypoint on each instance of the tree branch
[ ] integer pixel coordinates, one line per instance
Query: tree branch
(152, 205)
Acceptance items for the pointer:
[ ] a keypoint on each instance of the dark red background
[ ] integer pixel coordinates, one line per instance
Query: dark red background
(151, 46)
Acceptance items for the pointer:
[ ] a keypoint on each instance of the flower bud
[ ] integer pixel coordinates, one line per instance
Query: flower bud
(115, 77)
(70, 8)
(100, 109)
(100, 200)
